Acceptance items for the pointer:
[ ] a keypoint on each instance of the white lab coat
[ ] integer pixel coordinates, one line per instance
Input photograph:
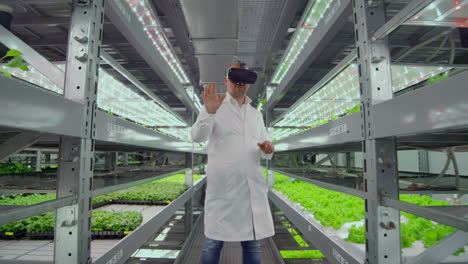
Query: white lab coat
(236, 200)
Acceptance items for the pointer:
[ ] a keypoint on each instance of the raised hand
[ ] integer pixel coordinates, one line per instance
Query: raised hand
(267, 147)
(211, 99)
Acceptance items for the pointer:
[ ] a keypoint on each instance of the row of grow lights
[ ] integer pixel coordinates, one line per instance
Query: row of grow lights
(341, 94)
(301, 37)
(115, 97)
(155, 32)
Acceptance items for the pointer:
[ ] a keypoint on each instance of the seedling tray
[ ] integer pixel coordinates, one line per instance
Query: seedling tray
(37, 235)
(139, 202)
(94, 235)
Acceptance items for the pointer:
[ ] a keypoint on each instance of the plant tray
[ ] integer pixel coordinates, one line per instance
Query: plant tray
(40, 235)
(97, 205)
(12, 235)
(109, 234)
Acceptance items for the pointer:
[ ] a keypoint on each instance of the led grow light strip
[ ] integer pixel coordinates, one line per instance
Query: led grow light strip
(300, 38)
(437, 11)
(404, 76)
(333, 99)
(342, 93)
(115, 97)
(155, 32)
(35, 77)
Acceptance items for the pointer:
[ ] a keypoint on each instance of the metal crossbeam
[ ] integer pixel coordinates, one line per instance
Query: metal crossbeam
(442, 249)
(413, 7)
(436, 214)
(17, 143)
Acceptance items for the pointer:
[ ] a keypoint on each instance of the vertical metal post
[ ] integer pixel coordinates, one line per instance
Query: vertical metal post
(113, 160)
(110, 160)
(334, 160)
(73, 223)
(423, 157)
(188, 213)
(350, 160)
(125, 159)
(47, 158)
(38, 160)
(380, 160)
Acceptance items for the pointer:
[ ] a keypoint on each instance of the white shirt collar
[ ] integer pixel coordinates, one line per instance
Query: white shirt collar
(233, 101)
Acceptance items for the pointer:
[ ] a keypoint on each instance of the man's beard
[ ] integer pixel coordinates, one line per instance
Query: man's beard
(239, 92)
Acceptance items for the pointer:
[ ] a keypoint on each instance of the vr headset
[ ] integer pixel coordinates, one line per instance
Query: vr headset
(241, 76)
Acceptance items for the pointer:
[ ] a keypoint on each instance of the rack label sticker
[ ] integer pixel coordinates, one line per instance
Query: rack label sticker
(113, 128)
(339, 257)
(338, 130)
(116, 257)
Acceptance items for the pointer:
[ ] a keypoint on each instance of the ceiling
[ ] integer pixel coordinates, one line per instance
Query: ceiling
(208, 35)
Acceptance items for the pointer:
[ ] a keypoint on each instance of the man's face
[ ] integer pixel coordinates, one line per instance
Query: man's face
(234, 89)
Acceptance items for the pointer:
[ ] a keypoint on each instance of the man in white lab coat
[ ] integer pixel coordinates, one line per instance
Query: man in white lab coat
(236, 203)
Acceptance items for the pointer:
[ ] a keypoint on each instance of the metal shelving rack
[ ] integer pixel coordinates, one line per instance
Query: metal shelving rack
(384, 123)
(75, 121)
(378, 129)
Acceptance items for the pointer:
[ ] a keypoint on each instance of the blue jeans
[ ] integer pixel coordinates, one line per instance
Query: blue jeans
(251, 251)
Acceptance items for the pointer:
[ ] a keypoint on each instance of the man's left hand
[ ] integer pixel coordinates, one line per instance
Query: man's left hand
(267, 147)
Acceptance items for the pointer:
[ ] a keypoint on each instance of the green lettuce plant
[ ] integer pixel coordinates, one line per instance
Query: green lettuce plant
(10, 167)
(288, 254)
(335, 209)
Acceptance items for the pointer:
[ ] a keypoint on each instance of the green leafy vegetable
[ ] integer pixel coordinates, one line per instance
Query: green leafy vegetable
(12, 53)
(355, 109)
(335, 209)
(115, 221)
(16, 62)
(10, 167)
(167, 189)
(26, 200)
(14, 226)
(7, 74)
(287, 254)
(438, 77)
